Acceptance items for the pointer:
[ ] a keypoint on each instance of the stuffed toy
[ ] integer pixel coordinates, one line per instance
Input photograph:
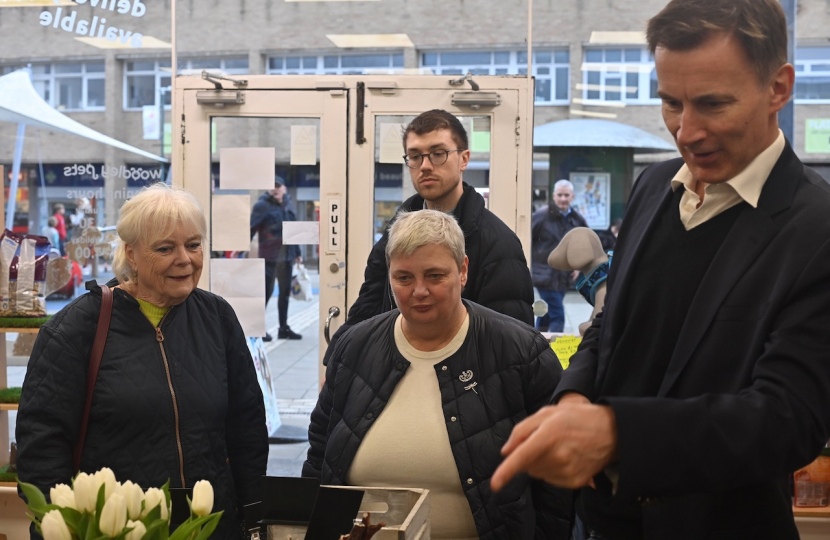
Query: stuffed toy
(581, 249)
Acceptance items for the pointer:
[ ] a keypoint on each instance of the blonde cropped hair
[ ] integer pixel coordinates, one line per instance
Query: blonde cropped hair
(412, 230)
(150, 216)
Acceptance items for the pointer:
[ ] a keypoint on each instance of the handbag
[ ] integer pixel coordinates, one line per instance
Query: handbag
(92, 372)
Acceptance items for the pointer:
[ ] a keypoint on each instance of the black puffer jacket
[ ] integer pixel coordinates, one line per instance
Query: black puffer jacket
(516, 371)
(547, 227)
(133, 422)
(497, 278)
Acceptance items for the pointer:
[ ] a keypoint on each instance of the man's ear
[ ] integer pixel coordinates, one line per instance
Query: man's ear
(464, 159)
(781, 87)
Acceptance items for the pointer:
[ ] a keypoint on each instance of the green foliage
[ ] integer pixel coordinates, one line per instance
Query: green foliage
(10, 395)
(23, 322)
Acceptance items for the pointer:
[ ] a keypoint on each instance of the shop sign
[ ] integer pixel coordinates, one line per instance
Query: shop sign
(69, 20)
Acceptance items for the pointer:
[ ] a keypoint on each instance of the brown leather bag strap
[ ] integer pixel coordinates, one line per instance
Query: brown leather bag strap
(92, 372)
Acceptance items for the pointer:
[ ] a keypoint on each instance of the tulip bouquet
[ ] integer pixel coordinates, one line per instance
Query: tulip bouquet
(97, 507)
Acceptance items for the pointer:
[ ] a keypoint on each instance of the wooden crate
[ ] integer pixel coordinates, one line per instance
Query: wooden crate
(405, 511)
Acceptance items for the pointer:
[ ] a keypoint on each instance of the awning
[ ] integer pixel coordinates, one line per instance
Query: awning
(20, 103)
(581, 132)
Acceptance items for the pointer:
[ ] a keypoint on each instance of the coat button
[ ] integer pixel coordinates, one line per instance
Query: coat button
(470, 481)
(443, 368)
(399, 366)
(369, 416)
(453, 418)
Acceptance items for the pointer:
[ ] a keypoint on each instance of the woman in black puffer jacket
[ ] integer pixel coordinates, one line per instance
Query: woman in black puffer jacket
(426, 395)
(176, 395)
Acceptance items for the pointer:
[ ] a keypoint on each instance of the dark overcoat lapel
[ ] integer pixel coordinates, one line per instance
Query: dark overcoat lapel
(750, 234)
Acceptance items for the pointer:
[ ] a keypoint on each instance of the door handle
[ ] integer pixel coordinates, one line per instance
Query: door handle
(334, 311)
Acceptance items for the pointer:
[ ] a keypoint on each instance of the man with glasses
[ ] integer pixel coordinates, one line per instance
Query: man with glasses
(437, 153)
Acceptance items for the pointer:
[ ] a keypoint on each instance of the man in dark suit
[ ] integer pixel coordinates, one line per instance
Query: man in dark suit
(706, 380)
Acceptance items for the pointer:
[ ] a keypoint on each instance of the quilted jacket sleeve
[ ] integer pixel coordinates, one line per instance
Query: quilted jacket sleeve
(48, 421)
(246, 433)
(503, 279)
(318, 429)
(371, 299)
(553, 505)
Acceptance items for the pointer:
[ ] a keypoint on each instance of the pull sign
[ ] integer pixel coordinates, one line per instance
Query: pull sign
(335, 238)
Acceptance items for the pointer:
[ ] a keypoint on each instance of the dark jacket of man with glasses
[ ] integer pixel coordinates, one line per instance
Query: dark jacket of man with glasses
(437, 154)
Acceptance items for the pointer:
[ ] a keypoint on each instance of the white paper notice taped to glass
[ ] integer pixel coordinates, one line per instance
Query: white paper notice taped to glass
(303, 145)
(242, 283)
(230, 216)
(247, 168)
(301, 233)
(391, 147)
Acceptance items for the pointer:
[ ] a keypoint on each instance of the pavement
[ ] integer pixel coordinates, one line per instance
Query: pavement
(294, 368)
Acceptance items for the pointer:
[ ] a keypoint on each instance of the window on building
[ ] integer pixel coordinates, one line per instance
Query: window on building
(146, 80)
(619, 75)
(336, 64)
(812, 74)
(550, 68)
(68, 87)
(228, 66)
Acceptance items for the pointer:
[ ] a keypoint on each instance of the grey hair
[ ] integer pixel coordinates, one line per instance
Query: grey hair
(563, 182)
(149, 217)
(412, 230)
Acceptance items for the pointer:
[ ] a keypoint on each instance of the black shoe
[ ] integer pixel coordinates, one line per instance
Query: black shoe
(267, 337)
(288, 333)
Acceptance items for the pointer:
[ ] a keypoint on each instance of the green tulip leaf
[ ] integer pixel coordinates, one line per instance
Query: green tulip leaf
(210, 525)
(152, 516)
(156, 530)
(71, 516)
(102, 498)
(34, 496)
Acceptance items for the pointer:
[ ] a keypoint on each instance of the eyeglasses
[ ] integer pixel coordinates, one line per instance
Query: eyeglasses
(436, 157)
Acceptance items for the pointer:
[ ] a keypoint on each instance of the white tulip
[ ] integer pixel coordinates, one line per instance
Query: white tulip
(134, 496)
(138, 530)
(62, 495)
(113, 516)
(152, 498)
(106, 478)
(85, 493)
(54, 527)
(202, 503)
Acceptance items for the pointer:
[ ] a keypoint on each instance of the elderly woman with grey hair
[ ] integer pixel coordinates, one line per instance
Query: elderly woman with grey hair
(426, 395)
(176, 396)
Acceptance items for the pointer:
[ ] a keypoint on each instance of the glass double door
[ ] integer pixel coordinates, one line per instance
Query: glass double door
(336, 146)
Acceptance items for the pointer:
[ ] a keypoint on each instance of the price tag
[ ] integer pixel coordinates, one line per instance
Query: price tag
(79, 250)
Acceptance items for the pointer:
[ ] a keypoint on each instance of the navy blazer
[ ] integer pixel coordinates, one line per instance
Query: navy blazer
(745, 399)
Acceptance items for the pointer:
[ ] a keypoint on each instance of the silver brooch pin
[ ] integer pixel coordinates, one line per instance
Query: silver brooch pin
(467, 376)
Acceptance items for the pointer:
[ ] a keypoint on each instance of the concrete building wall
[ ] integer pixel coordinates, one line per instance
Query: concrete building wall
(256, 29)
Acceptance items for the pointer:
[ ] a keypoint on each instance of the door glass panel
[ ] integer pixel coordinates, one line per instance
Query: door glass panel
(302, 182)
(299, 357)
(393, 183)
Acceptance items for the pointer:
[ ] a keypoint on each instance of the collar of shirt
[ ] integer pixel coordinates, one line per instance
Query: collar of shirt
(745, 186)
